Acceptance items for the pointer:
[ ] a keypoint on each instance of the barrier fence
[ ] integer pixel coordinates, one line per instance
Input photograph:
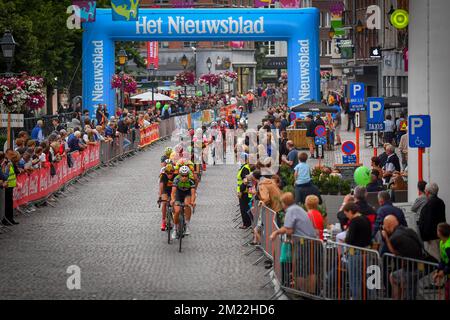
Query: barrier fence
(319, 269)
(39, 184)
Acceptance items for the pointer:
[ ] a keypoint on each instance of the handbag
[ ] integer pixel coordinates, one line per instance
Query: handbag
(285, 252)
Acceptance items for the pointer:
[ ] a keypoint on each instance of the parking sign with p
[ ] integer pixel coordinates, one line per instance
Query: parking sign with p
(375, 114)
(419, 131)
(356, 97)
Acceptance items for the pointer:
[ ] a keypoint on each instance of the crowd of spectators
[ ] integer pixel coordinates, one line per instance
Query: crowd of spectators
(361, 225)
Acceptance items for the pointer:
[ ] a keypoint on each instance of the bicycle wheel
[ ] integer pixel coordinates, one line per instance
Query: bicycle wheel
(180, 230)
(168, 222)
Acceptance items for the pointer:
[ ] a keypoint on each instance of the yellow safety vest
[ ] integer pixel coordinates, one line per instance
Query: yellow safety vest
(12, 182)
(239, 179)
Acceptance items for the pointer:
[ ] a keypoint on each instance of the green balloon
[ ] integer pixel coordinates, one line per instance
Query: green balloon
(199, 94)
(362, 176)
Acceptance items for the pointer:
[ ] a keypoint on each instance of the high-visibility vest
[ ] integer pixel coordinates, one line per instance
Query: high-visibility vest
(239, 179)
(444, 246)
(12, 181)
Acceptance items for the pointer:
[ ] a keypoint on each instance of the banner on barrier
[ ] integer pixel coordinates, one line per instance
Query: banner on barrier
(39, 184)
(149, 135)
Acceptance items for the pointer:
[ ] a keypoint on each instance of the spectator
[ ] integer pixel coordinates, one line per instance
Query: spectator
(420, 201)
(376, 184)
(383, 157)
(376, 165)
(37, 133)
(389, 127)
(292, 157)
(9, 173)
(403, 148)
(296, 221)
(317, 220)
(342, 218)
(123, 129)
(443, 231)
(404, 242)
(74, 142)
(242, 190)
(398, 183)
(302, 175)
(359, 234)
(75, 123)
(392, 163)
(364, 208)
(387, 208)
(431, 215)
(57, 126)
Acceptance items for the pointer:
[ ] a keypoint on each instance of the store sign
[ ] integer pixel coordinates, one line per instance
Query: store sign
(275, 63)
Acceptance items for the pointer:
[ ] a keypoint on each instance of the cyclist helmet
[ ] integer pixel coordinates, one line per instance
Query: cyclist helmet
(169, 168)
(184, 170)
(168, 151)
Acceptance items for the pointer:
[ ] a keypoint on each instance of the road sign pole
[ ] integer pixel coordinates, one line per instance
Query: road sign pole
(420, 152)
(357, 136)
(375, 143)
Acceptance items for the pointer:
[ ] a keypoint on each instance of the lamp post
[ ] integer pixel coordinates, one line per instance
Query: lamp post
(227, 65)
(219, 62)
(184, 63)
(122, 60)
(194, 49)
(8, 46)
(209, 65)
(151, 72)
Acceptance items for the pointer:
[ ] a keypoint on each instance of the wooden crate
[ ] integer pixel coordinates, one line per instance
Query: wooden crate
(298, 136)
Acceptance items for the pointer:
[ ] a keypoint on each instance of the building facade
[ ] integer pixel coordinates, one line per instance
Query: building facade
(241, 55)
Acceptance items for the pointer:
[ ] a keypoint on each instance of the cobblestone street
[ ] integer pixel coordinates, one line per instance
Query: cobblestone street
(109, 227)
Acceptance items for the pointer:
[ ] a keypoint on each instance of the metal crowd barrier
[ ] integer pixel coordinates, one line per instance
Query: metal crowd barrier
(316, 269)
(348, 271)
(410, 279)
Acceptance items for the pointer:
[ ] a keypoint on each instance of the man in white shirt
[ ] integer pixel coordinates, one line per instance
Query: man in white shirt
(389, 127)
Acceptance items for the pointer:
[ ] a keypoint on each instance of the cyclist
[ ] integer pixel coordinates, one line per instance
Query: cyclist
(165, 189)
(167, 152)
(183, 191)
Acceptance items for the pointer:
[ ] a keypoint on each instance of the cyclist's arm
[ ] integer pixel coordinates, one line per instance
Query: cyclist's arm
(193, 195)
(161, 188)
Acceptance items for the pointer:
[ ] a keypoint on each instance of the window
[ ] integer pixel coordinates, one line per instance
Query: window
(219, 44)
(270, 45)
(327, 22)
(221, 2)
(320, 48)
(188, 44)
(163, 44)
(306, 3)
(328, 48)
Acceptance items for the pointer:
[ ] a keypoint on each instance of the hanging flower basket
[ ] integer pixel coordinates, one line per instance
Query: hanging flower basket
(209, 79)
(228, 76)
(185, 78)
(21, 92)
(130, 85)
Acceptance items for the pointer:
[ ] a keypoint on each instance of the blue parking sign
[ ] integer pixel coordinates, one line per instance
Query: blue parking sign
(419, 131)
(375, 114)
(320, 141)
(357, 97)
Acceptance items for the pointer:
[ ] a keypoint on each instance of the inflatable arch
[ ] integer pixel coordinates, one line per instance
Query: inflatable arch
(298, 27)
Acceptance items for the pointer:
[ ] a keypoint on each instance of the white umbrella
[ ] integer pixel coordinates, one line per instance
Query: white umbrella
(147, 96)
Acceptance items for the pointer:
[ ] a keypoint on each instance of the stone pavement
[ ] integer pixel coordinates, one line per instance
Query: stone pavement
(109, 227)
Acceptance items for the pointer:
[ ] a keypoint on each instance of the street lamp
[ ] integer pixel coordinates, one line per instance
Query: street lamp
(184, 63)
(209, 65)
(151, 70)
(194, 49)
(8, 46)
(122, 60)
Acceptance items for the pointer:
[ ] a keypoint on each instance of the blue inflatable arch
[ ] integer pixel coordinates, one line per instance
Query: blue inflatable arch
(299, 27)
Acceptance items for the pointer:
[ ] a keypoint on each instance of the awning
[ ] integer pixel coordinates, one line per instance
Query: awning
(395, 102)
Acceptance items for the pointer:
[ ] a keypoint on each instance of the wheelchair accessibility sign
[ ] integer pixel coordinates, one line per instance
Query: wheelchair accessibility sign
(419, 131)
